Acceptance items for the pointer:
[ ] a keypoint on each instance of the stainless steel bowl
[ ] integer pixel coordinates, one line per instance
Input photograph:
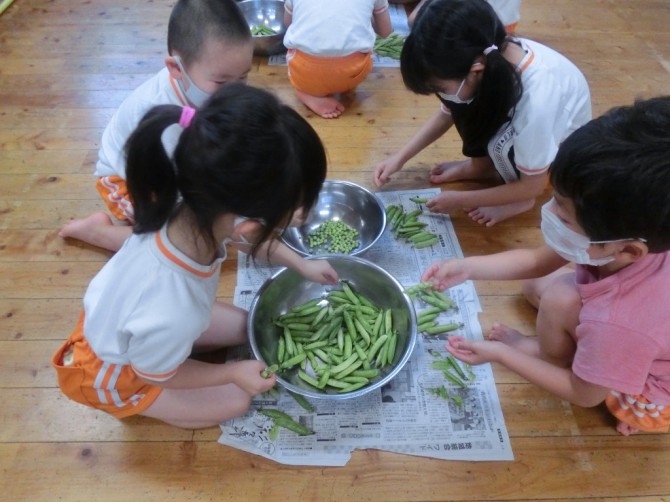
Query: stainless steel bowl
(270, 14)
(346, 202)
(287, 289)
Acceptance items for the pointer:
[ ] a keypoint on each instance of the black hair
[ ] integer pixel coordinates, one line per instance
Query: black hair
(244, 153)
(193, 22)
(616, 171)
(447, 38)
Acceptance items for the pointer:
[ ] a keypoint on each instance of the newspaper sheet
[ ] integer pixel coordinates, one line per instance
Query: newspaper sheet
(399, 25)
(403, 416)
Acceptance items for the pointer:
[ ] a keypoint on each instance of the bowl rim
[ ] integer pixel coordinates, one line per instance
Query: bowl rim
(411, 343)
(356, 252)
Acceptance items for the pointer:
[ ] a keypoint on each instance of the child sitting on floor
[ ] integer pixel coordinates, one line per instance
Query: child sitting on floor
(329, 48)
(602, 329)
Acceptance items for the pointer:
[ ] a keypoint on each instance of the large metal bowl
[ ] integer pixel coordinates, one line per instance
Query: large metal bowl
(287, 289)
(270, 14)
(346, 202)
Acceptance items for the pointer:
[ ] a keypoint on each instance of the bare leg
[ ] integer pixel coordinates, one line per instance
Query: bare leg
(477, 168)
(557, 319)
(209, 406)
(325, 106)
(491, 215)
(98, 230)
(534, 289)
(199, 408)
(227, 328)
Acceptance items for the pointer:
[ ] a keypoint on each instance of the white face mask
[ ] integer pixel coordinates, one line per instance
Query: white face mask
(569, 244)
(455, 98)
(194, 94)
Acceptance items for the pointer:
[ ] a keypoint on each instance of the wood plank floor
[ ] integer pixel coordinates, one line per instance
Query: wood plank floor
(66, 66)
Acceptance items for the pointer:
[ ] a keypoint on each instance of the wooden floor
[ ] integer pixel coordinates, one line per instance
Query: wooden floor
(65, 66)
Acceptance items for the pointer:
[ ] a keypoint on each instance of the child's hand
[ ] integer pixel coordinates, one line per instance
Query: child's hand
(478, 352)
(446, 273)
(319, 271)
(248, 377)
(385, 169)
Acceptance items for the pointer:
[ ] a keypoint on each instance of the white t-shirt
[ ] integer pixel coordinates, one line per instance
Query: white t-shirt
(332, 28)
(555, 102)
(509, 11)
(148, 305)
(158, 90)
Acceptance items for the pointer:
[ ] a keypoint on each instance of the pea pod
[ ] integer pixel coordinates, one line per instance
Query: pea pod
(283, 420)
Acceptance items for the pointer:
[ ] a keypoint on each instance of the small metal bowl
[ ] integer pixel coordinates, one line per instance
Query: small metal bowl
(287, 289)
(270, 14)
(346, 202)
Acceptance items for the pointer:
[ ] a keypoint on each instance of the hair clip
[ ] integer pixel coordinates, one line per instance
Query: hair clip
(187, 114)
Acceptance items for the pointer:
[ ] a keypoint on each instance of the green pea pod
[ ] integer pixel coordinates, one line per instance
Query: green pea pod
(308, 379)
(349, 292)
(302, 401)
(283, 420)
(297, 359)
(378, 345)
(426, 243)
(442, 328)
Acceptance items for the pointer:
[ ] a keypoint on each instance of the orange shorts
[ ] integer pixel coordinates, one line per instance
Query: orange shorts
(638, 412)
(322, 76)
(114, 192)
(86, 379)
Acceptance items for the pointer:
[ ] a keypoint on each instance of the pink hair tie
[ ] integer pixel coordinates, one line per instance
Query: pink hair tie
(187, 114)
(488, 50)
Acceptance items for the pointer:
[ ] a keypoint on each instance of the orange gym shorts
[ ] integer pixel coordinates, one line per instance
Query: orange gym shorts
(114, 192)
(322, 76)
(638, 412)
(86, 379)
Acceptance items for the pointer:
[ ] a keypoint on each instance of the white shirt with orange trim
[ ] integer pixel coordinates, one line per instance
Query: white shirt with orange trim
(158, 90)
(556, 101)
(148, 305)
(333, 28)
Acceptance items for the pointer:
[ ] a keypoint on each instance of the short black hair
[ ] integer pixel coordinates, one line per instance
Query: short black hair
(616, 171)
(193, 22)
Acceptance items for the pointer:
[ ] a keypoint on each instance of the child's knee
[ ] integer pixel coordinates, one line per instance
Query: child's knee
(561, 297)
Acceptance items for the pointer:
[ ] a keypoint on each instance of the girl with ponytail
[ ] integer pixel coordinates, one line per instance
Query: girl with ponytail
(512, 100)
(243, 165)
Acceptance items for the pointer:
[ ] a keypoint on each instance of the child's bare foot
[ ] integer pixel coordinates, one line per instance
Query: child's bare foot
(478, 168)
(491, 215)
(526, 344)
(325, 106)
(450, 171)
(97, 230)
(82, 229)
(626, 429)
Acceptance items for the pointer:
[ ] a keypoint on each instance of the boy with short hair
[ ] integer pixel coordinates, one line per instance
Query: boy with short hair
(209, 44)
(602, 329)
